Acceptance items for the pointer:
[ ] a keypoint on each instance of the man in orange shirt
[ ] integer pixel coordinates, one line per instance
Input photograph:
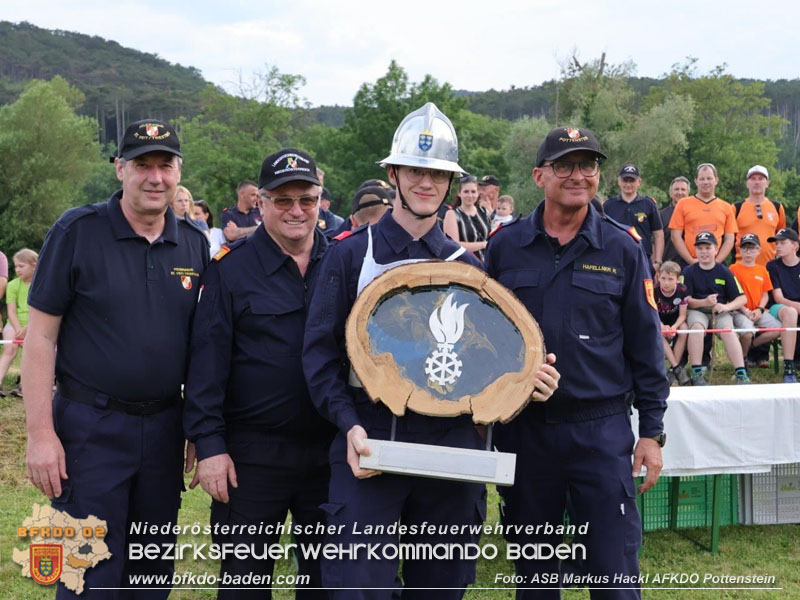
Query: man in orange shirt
(756, 282)
(703, 212)
(759, 215)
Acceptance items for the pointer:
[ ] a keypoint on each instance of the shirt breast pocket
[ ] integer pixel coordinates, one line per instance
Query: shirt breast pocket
(277, 323)
(596, 304)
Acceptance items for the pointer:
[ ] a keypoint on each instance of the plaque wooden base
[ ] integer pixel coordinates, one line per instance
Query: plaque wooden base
(440, 462)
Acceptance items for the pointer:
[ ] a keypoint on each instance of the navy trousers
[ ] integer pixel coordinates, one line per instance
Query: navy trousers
(274, 476)
(384, 499)
(584, 467)
(122, 469)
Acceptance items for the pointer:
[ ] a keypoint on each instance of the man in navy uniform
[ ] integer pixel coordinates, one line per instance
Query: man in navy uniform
(115, 287)
(586, 280)
(262, 447)
(422, 170)
(632, 209)
(241, 219)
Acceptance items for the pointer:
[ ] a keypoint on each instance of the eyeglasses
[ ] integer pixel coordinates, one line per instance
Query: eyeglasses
(415, 174)
(564, 168)
(759, 211)
(287, 202)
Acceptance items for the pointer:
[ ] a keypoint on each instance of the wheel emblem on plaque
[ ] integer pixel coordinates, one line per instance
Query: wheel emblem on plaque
(444, 339)
(443, 366)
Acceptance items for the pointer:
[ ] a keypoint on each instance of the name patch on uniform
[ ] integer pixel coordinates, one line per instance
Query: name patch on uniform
(598, 268)
(719, 281)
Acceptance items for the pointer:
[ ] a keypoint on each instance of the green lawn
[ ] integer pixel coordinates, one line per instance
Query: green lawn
(744, 550)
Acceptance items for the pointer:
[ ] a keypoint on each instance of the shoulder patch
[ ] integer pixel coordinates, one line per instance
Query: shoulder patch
(629, 229)
(73, 214)
(346, 234)
(225, 249)
(633, 233)
(221, 253)
(343, 235)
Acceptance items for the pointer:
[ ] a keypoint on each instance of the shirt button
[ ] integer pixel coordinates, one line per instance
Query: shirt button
(152, 267)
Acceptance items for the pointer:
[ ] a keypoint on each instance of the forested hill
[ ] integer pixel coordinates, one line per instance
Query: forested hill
(120, 84)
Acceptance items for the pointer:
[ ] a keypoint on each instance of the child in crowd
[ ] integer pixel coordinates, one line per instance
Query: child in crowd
(17, 305)
(784, 273)
(504, 213)
(714, 294)
(672, 299)
(756, 283)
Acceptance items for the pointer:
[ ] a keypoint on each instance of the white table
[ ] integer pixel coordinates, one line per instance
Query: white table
(720, 429)
(724, 429)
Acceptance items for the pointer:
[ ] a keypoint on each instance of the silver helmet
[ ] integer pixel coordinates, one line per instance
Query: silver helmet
(426, 138)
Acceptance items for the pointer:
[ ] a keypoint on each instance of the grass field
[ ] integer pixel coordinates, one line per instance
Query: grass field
(744, 550)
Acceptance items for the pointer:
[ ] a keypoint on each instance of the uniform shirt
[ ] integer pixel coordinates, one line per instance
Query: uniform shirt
(764, 221)
(692, 216)
(327, 220)
(126, 304)
(785, 278)
(753, 280)
(642, 213)
(245, 370)
(347, 225)
(17, 292)
(669, 307)
(701, 282)
(324, 356)
(250, 219)
(590, 299)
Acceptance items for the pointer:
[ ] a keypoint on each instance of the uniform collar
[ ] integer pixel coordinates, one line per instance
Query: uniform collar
(122, 228)
(590, 228)
(619, 198)
(399, 239)
(271, 255)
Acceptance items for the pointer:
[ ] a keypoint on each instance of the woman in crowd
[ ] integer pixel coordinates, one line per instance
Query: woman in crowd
(17, 305)
(202, 214)
(182, 204)
(468, 223)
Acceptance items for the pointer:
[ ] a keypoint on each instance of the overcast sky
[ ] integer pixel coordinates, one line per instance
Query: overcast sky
(339, 44)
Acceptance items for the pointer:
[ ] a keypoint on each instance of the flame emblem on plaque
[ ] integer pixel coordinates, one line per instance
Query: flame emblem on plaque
(443, 366)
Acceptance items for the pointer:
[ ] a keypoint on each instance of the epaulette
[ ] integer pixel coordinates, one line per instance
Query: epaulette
(629, 229)
(73, 214)
(346, 234)
(225, 249)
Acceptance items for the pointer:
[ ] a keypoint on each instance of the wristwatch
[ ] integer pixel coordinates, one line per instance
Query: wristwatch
(660, 439)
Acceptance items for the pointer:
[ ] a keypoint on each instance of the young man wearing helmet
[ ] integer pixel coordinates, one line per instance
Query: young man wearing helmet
(423, 161)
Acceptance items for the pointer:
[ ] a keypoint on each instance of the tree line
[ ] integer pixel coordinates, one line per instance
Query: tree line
(51, 155)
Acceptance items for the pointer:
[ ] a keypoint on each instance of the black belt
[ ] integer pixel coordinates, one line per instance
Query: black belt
(77, 392)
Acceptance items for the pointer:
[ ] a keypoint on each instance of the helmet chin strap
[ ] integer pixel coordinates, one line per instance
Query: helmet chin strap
(411, 210)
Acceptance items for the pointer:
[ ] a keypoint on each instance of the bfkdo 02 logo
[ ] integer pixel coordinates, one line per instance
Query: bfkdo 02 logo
(46, 562)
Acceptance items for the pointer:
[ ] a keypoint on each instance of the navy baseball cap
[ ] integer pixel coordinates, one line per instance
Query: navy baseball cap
(371, 196)
(287, 165)
(750, 238)
(489, 180)
(148, 135)
(563, 140)
(705, 237)
(784, 234)
(629, 170)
